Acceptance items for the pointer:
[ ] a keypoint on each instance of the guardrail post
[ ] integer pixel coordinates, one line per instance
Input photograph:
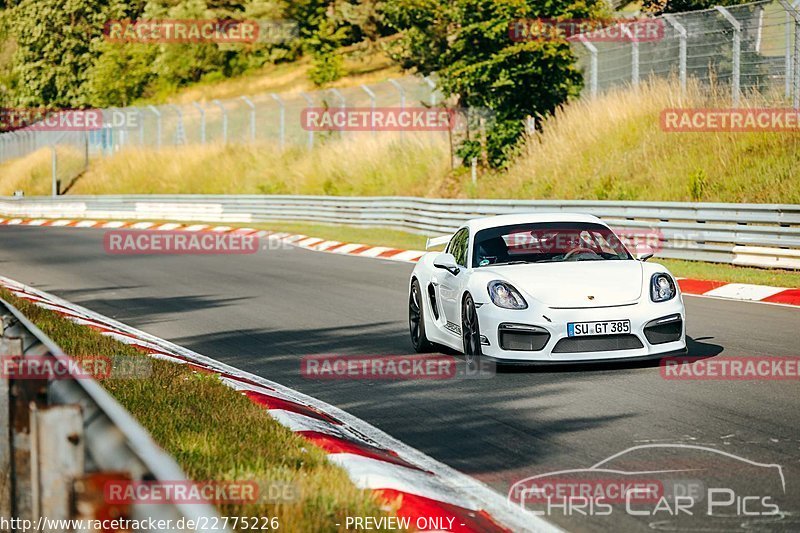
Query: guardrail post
(682, 35)
(281, 119)
(252, 107)
(372, 106)
(737, 50)
(157, 113)
(6, 493)
(592, 65)
(224, 120)
(202, 122)
(310, 102)
(57, 458)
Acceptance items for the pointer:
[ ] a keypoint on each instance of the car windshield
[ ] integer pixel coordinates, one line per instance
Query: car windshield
(548, 242)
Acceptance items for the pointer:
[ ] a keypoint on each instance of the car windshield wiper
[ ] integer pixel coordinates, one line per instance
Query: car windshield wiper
(516, 262)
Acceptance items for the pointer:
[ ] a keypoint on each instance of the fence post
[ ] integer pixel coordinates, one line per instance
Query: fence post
(180, 134)
(737, 50)
(224, 120)
(54, 160)
(252, 107)
(157, 113)
(678, 27)
(202, 121)
(342, 104)
(282, 119)
(634, 55)
(140, 118)
(796, 70)
(401, 90)
(372, 106)
(310, 102)
(432, 86)
(592, 65)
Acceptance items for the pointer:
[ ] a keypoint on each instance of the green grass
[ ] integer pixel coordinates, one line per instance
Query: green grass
(732, 274)
(215, 433)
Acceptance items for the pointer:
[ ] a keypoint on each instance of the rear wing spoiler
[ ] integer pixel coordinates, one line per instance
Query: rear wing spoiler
(437, 241)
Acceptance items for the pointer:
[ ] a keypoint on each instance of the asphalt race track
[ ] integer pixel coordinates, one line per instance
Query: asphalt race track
(263, 312)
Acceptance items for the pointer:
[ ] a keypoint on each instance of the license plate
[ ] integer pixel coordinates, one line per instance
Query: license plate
(606, 327)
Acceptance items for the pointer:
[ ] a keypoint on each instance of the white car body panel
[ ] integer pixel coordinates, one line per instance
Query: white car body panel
(556, 293)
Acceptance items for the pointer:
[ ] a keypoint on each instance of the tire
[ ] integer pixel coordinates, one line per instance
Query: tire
(470, 330)
(416, 320)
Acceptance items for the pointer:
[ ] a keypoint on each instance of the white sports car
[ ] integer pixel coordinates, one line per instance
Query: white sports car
(544, 288)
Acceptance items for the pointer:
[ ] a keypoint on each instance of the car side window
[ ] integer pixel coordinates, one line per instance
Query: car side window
(458, 246)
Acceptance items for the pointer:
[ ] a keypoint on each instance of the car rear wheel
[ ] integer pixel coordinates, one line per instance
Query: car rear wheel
(416, 320)
(470, 330)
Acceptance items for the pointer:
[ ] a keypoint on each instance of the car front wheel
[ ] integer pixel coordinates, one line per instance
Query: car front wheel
(416, 320)
(470, 330)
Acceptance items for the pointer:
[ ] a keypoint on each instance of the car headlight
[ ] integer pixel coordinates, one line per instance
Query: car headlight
(506, 296)
(662, 287)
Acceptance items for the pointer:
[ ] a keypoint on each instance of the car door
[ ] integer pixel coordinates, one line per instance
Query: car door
(450, 284)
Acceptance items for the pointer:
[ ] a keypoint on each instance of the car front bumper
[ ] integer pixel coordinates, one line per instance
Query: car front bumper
(551, 323)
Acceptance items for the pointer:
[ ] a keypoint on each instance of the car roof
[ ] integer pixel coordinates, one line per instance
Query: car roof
(477, 224)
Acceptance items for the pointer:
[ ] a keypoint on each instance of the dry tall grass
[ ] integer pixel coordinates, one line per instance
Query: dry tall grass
(412, 165)
(614, 148)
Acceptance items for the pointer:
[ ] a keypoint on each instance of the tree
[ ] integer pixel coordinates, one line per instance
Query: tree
(467, 43)
(57, 43)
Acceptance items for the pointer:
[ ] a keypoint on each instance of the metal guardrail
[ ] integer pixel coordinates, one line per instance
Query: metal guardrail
(764, 235)
(62, 439)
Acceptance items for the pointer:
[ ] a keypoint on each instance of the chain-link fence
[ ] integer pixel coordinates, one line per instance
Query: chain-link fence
(748, 48)
(264, 117)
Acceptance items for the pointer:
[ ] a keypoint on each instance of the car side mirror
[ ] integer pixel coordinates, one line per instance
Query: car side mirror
(447, 262)
(643, 253)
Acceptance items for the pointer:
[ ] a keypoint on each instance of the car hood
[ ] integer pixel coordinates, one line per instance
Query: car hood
(575, 284)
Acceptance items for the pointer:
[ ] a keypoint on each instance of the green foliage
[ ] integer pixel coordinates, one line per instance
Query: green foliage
(467, 43)
(698, 183)
(57, 44)
(328, 67)
(106, 87)
(658, 7)
(63, 59)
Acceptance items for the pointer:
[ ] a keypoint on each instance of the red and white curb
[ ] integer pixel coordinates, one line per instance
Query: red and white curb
(740, 291)
(713, 289)
(427, 491)
(302, 241)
